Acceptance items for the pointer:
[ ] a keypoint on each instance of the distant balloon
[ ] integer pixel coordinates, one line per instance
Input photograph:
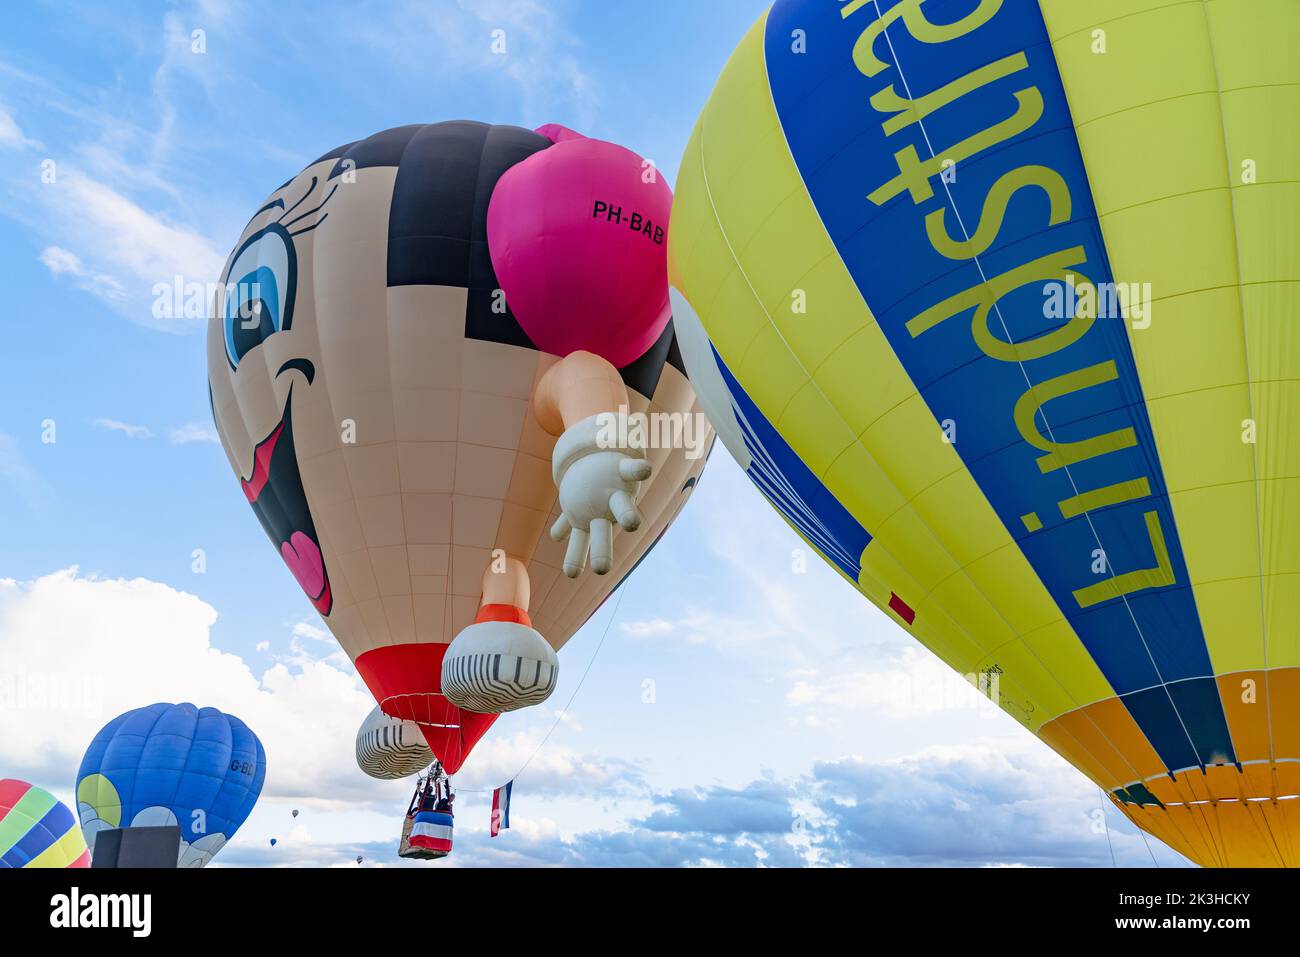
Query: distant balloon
(36, 830)
(172, 764)
(359, 860)
(273, 842)
(294, 812)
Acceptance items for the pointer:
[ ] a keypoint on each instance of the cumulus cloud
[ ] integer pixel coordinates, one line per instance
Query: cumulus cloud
(910, 683)
(552, 769)
(75, 651)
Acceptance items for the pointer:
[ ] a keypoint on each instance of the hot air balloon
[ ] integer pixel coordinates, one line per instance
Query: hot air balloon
(391, 748)
(431, 347)
(38, 830)
(1027, 389)
(294, 812)
(197, 768)
(273, 842)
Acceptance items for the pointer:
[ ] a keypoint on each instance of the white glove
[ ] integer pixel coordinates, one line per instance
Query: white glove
(598, 485)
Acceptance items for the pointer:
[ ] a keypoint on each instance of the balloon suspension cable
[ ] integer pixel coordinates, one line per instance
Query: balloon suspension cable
(1106, 825)
(559, 715)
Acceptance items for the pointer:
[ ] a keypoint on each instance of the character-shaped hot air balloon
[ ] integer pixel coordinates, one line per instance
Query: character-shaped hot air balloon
(391, 748)
(1003, 322)
(38, 830)
(197, 768)
(439, 368)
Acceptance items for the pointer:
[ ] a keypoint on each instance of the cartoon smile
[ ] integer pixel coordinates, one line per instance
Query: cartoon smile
(275, 491)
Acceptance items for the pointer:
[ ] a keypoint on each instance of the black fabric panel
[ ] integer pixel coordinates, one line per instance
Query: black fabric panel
(382, 149)
(675, 354)
(643, 374)
(431, 218)
(334, 154)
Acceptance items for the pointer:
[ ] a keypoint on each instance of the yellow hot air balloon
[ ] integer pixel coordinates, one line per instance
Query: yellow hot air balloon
(416, 374)
(996, 301)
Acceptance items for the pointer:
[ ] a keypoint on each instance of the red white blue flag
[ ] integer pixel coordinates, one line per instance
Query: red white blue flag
(432, 831)
(501, 808)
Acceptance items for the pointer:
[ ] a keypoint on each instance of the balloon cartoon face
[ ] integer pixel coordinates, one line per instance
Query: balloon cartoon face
(371, 378)
(256, 314)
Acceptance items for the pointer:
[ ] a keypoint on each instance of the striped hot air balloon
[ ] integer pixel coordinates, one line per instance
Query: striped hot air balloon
(37, 830)
(996, 302)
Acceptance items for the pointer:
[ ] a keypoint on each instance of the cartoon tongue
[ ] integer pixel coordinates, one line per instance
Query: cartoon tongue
(303, 557)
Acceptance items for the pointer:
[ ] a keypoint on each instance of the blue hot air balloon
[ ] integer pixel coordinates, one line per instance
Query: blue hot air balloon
(172, 764)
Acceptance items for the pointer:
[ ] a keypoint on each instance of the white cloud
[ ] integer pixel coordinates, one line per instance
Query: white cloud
(17, 471)
(11, 136)
(124, 239)
(912, 683)
(539, 58)
(126, 428)
(76, 651)
(554, 769)
(61, 262)
(193, 432)
(647, 628)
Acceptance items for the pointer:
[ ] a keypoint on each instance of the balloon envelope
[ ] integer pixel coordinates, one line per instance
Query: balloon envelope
(390, 748)
(1030, 392)
(38, 830)
(371, 387)
(172, 764)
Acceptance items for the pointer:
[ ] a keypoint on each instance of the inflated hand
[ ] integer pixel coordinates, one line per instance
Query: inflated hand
(598, 485)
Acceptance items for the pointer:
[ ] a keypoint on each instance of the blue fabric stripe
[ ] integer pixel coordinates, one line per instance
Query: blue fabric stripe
(792, 488)
(844, 155)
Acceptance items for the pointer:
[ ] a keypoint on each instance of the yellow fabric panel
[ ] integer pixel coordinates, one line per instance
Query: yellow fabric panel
(1200, 437)
(1253, 132)
(1022, 669)
(1209, 523)
(1194, 343)
(1254, 42)
(879, 449)
(1062, 656)
(1231, 606)
(62, 852)
(1206, 95)
(1068, 16)
(1281, 615)
(1150, 56)
(1271, 334)
(1179, 244)
(1182, 148)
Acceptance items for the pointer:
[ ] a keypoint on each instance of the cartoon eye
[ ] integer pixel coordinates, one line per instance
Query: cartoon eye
(260, 290)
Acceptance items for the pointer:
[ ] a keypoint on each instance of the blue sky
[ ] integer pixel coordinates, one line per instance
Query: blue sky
(791, 723)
